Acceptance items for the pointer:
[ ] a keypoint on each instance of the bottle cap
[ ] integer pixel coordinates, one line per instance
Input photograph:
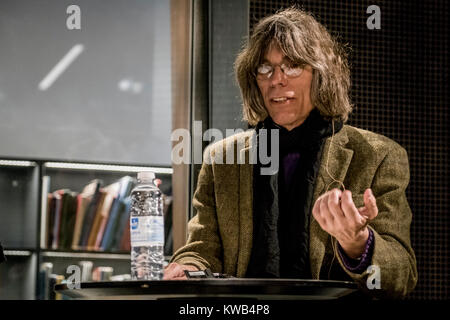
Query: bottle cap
(146, 176)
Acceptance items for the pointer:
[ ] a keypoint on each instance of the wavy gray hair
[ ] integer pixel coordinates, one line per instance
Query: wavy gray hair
(304, 41)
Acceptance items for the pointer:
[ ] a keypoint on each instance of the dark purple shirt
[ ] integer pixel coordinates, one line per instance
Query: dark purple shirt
(290, 162)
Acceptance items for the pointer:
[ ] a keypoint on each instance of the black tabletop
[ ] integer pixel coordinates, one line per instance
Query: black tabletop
(270, 289)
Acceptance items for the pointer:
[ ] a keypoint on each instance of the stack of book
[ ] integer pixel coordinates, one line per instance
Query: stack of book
(95, 219)
(102, 274)
(47, 279)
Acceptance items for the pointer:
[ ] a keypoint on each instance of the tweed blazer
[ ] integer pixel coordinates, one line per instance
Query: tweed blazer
(220, 234)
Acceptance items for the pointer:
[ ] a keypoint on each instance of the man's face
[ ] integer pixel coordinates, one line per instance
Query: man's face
(287, 99)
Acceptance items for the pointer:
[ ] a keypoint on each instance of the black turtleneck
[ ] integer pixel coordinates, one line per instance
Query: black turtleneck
(283, 202)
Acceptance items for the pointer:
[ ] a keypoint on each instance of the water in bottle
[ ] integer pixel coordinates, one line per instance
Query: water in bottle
(146, 229)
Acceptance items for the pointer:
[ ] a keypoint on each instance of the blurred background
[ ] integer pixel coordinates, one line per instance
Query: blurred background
(89, 95)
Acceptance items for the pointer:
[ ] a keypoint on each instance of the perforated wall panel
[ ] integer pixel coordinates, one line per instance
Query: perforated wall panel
(400, 90)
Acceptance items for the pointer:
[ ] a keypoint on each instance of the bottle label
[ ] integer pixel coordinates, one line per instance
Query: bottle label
(147, 231)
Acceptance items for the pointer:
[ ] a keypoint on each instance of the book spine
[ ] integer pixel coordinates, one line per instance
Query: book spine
(110, 225)
(44, 211)
(89, 220)
(57, 222)
(96, 222)
(78, 222)
(124, 216)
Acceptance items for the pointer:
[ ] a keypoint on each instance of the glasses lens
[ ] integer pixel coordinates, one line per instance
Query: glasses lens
(264, 69)
(292, 71)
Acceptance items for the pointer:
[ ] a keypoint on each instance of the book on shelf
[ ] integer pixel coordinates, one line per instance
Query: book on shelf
(57, 199)
(125, 242)
(45, 208)
(90, 214)
(47, 278)
(82, 204)
(113, 223)
(83, 201)
(122, 218)
(102, 273)
(124, 225)
(89, 245)
(101, 216)
(46, 282)
(55, 279)
(68, 212)
(96, 219)
(43, 287)
(112, 191)
(51, 203)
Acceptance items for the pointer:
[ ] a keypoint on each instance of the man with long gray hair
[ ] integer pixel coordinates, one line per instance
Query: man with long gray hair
(336, 208)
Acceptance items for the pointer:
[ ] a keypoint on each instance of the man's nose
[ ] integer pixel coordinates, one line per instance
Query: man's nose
(278, 77)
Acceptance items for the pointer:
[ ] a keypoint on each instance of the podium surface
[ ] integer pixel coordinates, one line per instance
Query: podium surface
(259, 289)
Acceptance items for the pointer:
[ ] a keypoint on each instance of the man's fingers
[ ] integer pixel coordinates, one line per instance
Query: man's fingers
(320, 211)
(348, 206)
(316, 210)
(334, 203)
(325, 213)
(173, 271)
(168, 273)
(337, 214)
(370, 204)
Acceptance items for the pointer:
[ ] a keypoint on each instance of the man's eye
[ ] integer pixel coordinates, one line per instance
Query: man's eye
(264, 69)
(293, 69)
(291, 65)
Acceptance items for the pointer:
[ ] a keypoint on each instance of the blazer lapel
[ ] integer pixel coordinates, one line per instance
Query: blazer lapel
(338, 162)
(245, 206)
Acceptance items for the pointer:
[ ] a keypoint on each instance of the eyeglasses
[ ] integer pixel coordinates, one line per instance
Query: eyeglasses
(265, 70)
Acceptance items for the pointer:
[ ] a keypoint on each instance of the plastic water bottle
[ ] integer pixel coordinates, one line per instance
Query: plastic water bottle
(146, 229)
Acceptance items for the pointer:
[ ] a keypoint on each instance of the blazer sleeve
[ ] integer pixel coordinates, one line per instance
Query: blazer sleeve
(392, 255)
(203, 248)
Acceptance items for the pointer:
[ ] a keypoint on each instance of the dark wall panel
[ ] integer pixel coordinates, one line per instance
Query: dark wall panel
(400, 90)
(229, 26)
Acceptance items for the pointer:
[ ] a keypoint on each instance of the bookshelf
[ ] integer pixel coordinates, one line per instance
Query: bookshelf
(24, 186)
